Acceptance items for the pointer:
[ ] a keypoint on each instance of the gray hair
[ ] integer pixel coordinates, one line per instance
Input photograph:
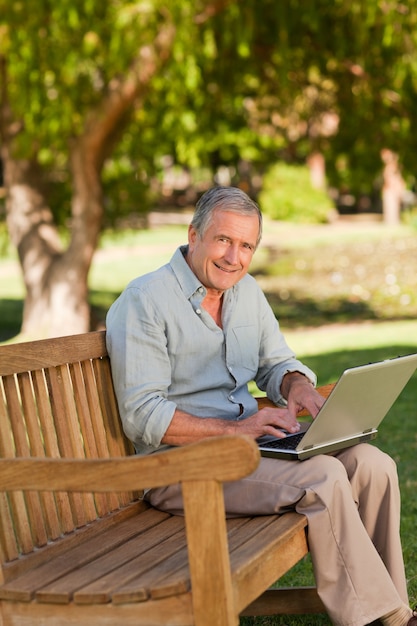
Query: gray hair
(226, 199)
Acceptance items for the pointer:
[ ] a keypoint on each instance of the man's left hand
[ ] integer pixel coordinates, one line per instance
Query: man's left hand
(301, 394)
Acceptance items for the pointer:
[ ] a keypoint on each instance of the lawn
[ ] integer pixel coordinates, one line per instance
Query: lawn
(344, 295)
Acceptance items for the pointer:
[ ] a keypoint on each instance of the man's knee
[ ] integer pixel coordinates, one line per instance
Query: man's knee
(326, 468)
(367, 463)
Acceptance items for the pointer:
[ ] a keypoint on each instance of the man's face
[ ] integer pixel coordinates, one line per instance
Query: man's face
(222, 256)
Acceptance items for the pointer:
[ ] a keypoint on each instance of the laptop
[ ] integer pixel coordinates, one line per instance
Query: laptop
(351, 414)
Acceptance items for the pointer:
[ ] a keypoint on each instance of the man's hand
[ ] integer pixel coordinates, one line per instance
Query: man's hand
(300, 394)
(276, 421)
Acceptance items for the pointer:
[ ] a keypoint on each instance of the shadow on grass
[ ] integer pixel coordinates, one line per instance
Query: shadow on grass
(297, 310)
(11, 312)
(293, 311)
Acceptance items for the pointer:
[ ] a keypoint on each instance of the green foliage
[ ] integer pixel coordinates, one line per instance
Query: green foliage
(257, 81)
(288, 194)
(5, 248)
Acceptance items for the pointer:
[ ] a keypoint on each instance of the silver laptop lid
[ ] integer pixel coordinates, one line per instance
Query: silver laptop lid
(360, 400)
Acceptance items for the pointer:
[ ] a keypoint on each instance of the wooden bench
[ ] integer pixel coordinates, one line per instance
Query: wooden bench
(79, 545)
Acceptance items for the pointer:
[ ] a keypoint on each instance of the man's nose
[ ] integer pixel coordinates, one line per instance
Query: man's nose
(232, 255)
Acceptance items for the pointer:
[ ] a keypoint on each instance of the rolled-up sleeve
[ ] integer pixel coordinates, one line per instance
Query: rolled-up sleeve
(141, 369)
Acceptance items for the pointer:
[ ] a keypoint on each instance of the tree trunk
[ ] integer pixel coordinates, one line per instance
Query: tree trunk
(55, 280)
(392, 189)
(317, 166)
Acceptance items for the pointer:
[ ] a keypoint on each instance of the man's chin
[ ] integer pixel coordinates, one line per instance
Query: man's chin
(225, 284)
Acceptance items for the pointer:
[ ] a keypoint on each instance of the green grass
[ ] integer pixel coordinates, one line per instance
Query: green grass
(330, 325)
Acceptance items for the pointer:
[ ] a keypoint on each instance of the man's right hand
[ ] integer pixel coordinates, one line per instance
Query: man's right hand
(276, 421)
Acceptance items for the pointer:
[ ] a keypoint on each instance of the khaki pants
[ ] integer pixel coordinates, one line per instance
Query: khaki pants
(352, 503)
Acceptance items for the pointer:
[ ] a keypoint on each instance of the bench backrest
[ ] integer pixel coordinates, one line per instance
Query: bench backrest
(56, 400)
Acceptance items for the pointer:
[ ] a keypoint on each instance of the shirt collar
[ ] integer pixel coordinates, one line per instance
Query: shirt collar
(187, 279)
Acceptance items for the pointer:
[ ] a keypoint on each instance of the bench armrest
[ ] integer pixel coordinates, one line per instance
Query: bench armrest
(219, 458)
(200, 467)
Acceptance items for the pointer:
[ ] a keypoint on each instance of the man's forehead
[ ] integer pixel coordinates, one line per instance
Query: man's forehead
(224, 218)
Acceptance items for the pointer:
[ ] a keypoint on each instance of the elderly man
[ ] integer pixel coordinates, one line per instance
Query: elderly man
(184, 343)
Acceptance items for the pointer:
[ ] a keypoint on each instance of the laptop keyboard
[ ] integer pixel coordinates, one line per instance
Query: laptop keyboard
(286, 443)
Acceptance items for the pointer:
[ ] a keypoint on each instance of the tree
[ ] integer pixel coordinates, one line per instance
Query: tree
(49, 56)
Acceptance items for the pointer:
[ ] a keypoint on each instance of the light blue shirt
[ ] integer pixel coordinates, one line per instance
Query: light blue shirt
(167, 352)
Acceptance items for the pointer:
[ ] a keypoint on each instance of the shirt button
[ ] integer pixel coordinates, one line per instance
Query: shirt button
(198, 311)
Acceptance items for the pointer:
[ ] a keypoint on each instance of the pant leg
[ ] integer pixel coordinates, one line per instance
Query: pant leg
(374, 480)
(351, 577)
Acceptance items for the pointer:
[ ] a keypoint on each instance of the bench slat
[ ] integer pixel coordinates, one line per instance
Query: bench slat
(9, 548)
(16, 501)
(23, 429)
(46, 516)
(81, 382)
(58, 516)
(116, 442)
(68, 432)
(175, 611)
(25, 587)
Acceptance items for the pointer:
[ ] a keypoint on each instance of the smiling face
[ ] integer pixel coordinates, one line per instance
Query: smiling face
(221, 257)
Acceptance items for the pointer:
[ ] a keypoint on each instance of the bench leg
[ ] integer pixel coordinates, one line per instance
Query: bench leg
(211, 582)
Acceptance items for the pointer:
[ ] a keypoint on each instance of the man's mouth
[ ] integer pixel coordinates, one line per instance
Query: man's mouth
(224, 269)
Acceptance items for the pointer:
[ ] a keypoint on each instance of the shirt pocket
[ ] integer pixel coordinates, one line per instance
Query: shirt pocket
(246, 348)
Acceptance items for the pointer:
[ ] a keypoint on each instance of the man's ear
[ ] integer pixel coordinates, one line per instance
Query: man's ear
(192, 234)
